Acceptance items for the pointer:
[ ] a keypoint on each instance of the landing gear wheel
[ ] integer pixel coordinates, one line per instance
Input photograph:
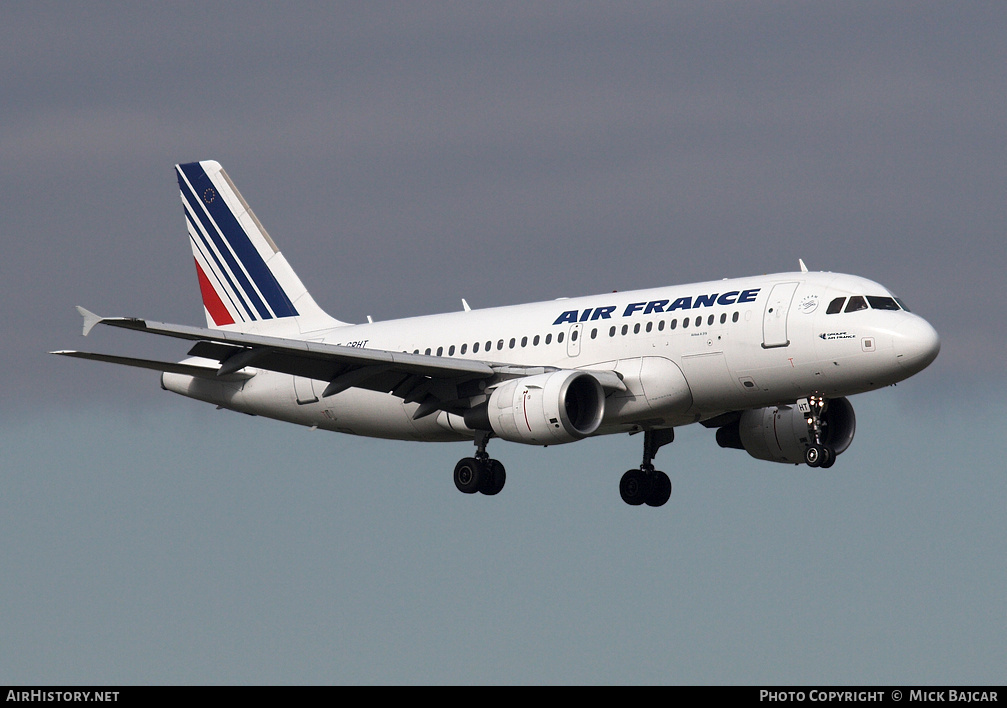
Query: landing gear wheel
(660, 490)
(494, 478)
(830, 458)
(647, 485)
(634, 487)
(469, 475)
(815, 455)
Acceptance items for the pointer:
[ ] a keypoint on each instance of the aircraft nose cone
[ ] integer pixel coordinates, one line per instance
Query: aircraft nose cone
(916, 344)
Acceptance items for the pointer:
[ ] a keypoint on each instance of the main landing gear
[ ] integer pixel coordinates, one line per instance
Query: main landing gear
(647, 485)
(817, 454)
(640, 486)
(480, 473)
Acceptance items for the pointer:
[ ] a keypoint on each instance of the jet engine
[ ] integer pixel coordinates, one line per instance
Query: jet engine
(545, 409)
(780, 433)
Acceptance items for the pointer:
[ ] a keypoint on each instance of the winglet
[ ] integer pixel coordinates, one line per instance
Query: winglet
(90, 319)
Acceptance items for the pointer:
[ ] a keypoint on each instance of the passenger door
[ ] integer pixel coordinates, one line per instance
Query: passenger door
(774, 323)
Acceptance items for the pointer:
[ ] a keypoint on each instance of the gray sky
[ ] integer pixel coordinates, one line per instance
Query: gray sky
(406, 155)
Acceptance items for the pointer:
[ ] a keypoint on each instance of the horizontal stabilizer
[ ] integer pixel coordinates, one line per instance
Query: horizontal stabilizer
(205, 372)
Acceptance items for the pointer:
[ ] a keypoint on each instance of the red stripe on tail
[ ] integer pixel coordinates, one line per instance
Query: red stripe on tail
(211, 300)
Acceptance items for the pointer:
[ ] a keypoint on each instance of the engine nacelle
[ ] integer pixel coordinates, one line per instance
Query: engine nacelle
(781, 434)
(545, 409)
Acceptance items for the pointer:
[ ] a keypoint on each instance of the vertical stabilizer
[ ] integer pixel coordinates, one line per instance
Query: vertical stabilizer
(245, 282)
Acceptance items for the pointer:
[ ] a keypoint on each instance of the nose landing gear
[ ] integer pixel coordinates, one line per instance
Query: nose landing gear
(817, 454)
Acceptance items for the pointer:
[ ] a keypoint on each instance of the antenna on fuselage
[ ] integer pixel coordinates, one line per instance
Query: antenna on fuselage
(804, 268)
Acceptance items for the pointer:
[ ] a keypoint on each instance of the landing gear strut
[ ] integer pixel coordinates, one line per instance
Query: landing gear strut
(647, 485)
(480, 473)
(817, 454)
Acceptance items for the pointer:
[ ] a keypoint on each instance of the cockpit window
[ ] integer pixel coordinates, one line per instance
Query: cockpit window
(902, 304)
(856, 303)
(882, 303)
(835, 306)
(859, 302)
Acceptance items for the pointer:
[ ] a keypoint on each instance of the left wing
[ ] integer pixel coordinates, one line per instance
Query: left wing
(436, 383)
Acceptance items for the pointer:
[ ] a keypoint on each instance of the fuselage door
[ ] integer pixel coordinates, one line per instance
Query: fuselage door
(573, 339)
(774, 324)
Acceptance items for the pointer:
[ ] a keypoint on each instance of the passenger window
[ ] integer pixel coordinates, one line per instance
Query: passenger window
(499, 344)
(673, 325)
(440, 351)
(573, 336)
(723, 317)
(685, 322)
(660, 326)
(594, 333)
(856, 303)
(611, 331)
(650, 326)
(464, 348)
(548, 338)
(475, 348)
(699, 320)
(559, 338)
(534, 342)
(512, 342)
(451, 350)
(625, 328)
(636, 328)
(427, 352)
(734, 317)
(709, 320)
(524, 341)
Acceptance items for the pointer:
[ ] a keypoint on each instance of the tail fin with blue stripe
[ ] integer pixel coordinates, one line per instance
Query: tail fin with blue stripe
(245, 281)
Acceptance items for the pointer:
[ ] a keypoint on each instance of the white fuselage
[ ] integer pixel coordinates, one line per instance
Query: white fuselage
(685, 353)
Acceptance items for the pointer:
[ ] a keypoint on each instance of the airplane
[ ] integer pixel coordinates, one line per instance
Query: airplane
(767, 361)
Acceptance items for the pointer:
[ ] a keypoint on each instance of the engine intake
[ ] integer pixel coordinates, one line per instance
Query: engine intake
(781, 434)
(545, 409)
